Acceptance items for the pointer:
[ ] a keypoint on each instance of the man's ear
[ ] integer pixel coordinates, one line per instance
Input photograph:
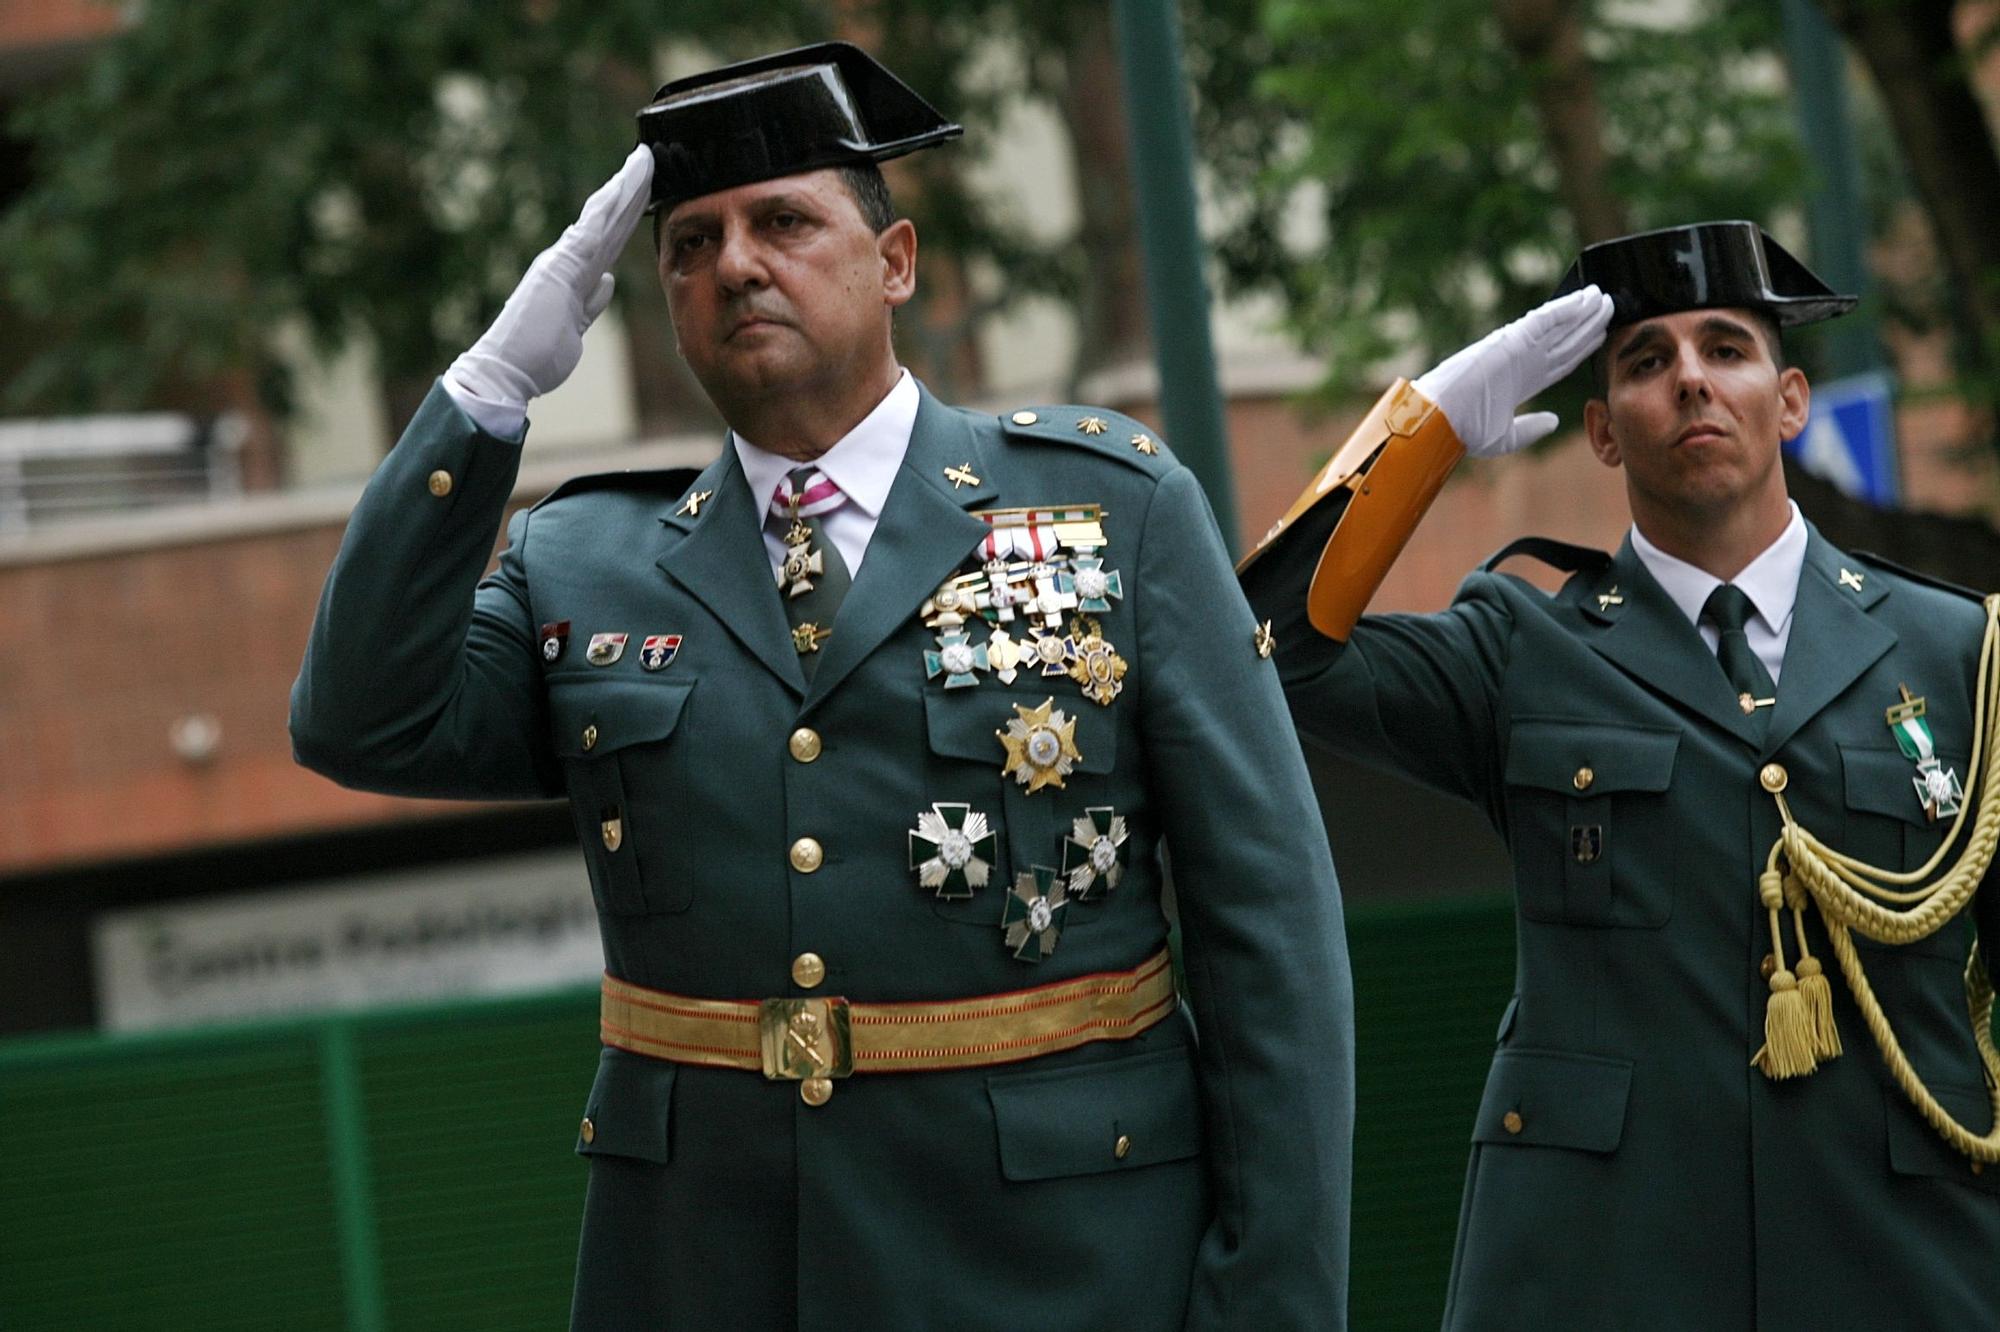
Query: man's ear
(897, 244)
(1796, 396)
(1597, 425)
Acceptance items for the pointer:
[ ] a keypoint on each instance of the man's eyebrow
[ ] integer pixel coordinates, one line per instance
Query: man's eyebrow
(1642, 338)
(1724, 325)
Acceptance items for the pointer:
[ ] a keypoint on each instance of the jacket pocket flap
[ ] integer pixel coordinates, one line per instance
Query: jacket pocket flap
(969, 727)
(1070, 1121)
(1550, 1098)
(1553, 755)
(591, 717)
(628, 1113)
(1881, 781)
(1915, 1148)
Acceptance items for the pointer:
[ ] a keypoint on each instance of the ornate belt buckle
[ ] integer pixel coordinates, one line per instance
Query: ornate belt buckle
(804, 1038)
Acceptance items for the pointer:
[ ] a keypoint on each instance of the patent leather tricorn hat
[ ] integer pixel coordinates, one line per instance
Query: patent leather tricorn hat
(827, 105)
(1701, 267)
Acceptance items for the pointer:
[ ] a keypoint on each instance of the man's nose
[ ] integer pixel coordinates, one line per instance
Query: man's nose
(1690, 376)
(739, 261)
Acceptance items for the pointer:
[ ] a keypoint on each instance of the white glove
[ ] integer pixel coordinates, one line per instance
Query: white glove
(1478, 389)
(537, 338)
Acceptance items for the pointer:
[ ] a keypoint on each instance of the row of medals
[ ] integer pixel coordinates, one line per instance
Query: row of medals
(1036, 614)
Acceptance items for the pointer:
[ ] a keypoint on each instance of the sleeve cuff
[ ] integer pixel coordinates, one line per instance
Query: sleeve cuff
(502, 420)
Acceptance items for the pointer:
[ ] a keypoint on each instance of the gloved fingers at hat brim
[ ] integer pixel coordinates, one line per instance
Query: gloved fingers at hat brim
(610, 215)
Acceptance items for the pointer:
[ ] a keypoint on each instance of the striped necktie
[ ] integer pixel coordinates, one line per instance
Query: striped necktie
(814, 578)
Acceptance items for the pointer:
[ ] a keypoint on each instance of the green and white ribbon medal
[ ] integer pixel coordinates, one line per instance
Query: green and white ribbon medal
(1937, 786)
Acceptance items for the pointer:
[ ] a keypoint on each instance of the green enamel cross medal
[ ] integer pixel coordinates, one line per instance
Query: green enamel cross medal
(1938, 787)
(1033, 918)
(951, 849)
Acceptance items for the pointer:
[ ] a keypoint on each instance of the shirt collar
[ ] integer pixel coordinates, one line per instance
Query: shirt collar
(863, 463)
(1771, 581)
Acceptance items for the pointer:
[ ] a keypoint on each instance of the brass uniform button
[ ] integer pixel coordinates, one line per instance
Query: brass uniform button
(807, 855)
(1511, 1121)
(1123, 1147)
(589, 1132)
(1767, 966)
(816, 1091)
(1584, 777)
(440, 483)
(804, 744)
(1025, 418)
(808, 970)
(590, 737)
(1773, 777)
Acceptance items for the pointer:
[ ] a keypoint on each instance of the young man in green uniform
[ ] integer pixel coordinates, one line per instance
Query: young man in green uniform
(1736, 1087)
(875, 731)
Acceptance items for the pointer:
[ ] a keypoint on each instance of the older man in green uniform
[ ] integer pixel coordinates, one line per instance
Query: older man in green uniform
(875, 732)
(1736, 1087)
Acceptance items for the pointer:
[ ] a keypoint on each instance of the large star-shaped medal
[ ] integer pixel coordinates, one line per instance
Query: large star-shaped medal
(957, 658)
(1094, 852)
(1033, 917)
(1091, 583)
(1094, 663)
(951, 849)
(1041, 746)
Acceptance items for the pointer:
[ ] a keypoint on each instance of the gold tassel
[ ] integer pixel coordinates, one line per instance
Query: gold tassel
(1817, 994)
(1788, 1045)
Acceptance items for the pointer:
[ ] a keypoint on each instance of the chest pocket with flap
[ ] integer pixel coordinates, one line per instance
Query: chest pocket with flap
(1884, 825)
(965, 765)
(628, 786)
(1588, 822)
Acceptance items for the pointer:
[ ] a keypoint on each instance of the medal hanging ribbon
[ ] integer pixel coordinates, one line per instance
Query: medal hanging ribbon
(1937, 786)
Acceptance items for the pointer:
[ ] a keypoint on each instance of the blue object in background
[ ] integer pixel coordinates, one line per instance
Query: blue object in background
(1850, 438)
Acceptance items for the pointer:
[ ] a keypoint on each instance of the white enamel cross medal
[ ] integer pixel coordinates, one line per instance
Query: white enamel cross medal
(1938, 787)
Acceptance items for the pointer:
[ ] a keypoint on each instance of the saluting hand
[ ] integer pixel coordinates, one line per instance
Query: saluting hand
(1478, 388)
(537, 338)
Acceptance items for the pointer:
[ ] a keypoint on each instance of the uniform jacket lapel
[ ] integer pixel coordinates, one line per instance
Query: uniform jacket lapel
(1833, 641)
(721, 561)
(921, 536)
(1647, 636)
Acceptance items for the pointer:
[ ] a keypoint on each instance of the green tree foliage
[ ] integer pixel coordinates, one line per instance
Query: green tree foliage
(386, 166)
(1438, 201)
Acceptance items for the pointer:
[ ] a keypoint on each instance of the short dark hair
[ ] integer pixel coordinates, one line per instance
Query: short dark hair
(1774, 342)
(863, 180)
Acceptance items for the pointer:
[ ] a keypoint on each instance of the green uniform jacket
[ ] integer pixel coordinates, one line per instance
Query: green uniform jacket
(1630, 1168)
(979, 1198)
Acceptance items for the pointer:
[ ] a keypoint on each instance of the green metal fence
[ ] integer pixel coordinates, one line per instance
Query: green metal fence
(412, 1168)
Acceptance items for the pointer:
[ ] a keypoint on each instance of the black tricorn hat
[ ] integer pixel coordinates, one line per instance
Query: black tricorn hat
(825, 105)
(1700, 267)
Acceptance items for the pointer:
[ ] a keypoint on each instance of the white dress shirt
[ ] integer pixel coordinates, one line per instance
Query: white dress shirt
(863, 464)
(1771, 581)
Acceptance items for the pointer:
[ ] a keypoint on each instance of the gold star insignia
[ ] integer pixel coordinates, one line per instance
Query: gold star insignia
(1849, 578)
(691, 506)
(960, 475)
(1097, 665)
(1266, 641)
(1041, 746)
(1093, 425)
(1145, 445)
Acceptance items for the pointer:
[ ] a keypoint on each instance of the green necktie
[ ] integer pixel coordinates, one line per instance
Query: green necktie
(1728, 608)
(814, 578)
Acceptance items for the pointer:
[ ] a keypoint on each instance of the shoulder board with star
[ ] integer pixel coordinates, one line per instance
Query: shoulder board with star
(1915, 576)
(1095, 428)
(666, 483)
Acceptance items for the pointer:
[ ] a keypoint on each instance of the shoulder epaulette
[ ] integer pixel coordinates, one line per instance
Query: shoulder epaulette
(1556, 554)
(1095, 428)
(665, 482)
(1927, 580)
